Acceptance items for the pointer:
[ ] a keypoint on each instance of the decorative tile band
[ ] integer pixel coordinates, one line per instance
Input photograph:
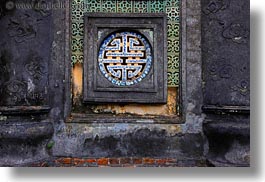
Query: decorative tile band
(171, 7)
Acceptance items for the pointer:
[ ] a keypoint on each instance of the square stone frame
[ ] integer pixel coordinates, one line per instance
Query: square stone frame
(148, 91)
(190, 90)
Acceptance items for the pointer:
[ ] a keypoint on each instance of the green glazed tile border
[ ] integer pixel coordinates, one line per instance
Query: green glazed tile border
(171, 7)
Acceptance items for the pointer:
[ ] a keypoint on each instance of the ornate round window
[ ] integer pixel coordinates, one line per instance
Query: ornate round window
(125, 58)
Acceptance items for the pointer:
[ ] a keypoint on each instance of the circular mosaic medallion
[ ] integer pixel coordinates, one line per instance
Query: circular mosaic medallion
(125, 58)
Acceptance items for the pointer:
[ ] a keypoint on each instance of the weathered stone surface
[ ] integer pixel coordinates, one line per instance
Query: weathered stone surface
(228, 143)
(24, 55)
(225, 54)
(127, 140)
(24, 142)
(26, 130)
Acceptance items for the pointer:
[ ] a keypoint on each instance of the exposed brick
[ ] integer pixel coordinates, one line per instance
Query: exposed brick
(161, 161)
(58, 160)
(91, 160)
(137, 161)
(42, 164)
(171, 161)
(120, 162)
(78, 162)
(114, 161)
(125, 161)
(148, 161)
(64, 160)
(103, 161)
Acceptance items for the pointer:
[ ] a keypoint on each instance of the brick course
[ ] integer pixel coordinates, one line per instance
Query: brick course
(118, 162)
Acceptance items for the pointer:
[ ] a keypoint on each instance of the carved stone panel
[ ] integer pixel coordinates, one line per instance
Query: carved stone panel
(125, 58)
(25, 47)
(225, 46)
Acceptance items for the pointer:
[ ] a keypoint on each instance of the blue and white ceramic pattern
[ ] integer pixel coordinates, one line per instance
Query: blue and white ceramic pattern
(125, 58)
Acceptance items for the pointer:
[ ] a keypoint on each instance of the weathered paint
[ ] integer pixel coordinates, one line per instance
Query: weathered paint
(77, 82)
(141, 109)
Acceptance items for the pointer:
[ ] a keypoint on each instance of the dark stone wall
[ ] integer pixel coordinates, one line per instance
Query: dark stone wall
(226, 78)
(25, 55)
(226, 52)
(25, 59)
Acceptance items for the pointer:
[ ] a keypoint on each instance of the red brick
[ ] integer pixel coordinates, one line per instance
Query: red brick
(161, 161)
(79, 161)
(103, 161)
(171, 161)
(114, 161)
(58, 161)
(43, 164)
(137, 161)
(64, 160)
(90, 160)
(148, 161)
(125, 160)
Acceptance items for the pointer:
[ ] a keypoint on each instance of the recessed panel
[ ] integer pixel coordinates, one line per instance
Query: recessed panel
(125, 58)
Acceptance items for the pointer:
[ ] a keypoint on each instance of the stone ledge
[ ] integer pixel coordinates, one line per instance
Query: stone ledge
(123, 118)
(25, 131)
(24, 110)
(227, 128)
